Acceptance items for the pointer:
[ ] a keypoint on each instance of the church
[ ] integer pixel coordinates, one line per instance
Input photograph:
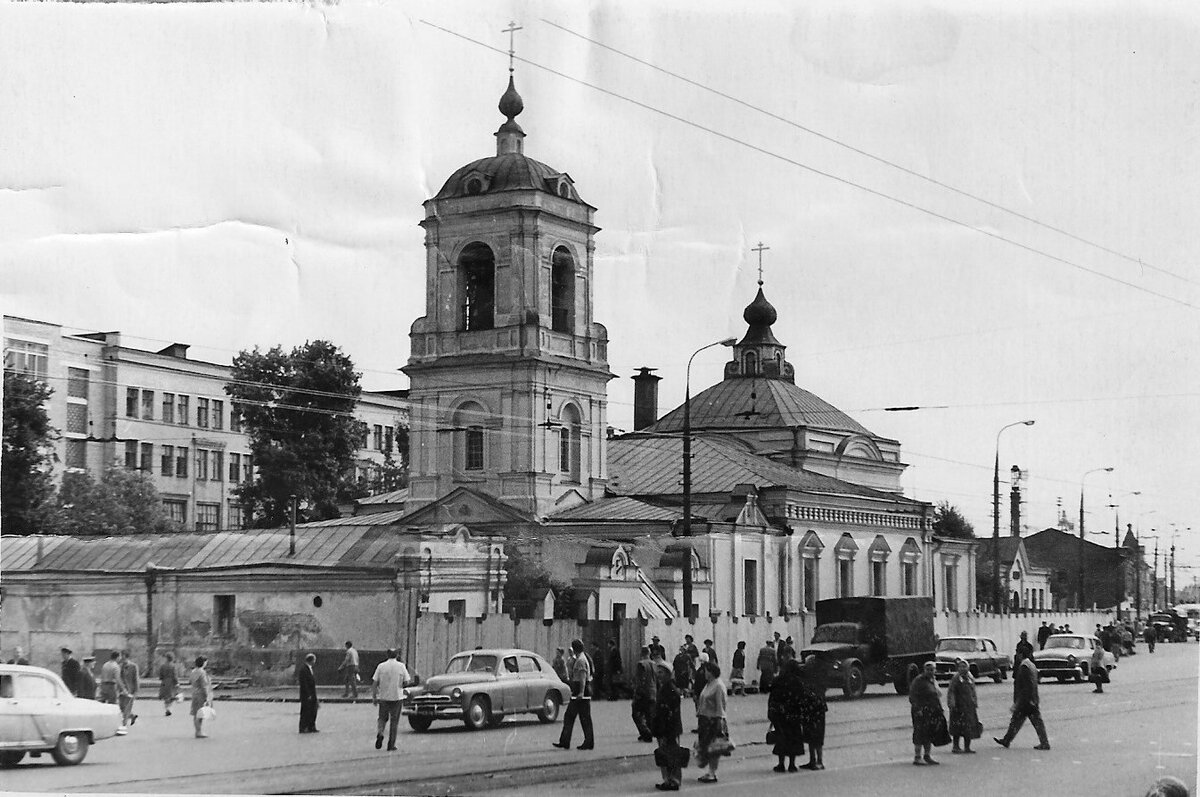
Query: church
(792, 500)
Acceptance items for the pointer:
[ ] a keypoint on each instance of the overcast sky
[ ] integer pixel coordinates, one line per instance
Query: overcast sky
(227, 175)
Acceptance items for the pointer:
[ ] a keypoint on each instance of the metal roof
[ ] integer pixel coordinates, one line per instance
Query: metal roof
(394, 497)
(618, 509)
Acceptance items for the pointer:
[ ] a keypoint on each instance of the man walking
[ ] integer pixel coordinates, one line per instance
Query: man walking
(349, 670)
(644, 689)
(112, 688)
(1150, 635)
(766, 664)
(1025, 705)
(667, 725)
(70, 671)
(87, 679)
(1043, 634)
(130, 680)
(168, 682)
(581, 700)
(386, 692)
(710, 651)
(308, 694)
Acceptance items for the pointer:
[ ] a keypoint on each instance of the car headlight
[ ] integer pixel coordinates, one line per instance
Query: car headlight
(455, 693)
(1071, 658)
(837, 665)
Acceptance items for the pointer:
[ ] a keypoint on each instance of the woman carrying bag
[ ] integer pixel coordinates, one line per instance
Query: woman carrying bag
(714, 732)
(1097, 672)
(964, 708)
(784, 713)
(928, 720)
(202, 710)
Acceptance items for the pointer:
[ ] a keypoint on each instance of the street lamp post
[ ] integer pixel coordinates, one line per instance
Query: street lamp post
(996, 517)
(687, 473)
(1082, 479)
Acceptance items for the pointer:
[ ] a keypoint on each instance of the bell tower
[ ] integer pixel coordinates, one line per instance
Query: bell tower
(508, 371)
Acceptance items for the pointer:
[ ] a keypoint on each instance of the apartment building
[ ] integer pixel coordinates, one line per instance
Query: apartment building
(164, 414)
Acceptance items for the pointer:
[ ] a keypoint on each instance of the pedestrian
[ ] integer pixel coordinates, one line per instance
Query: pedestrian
(710, 651)
(784, 714)
(1043, 634)
(1151, 636)
(19, 658)
(681, 669)
(690, 644)
(1025, 705)
(201, 694)
(598, 668)
(614, 670)
(699, 679)
(168, 682)
(581, 700)
(1067, 628)
(130, 679)
(812, 712)
(737, 675)
(110, 680)
(70, 670)
(667, 726)
(713, 742)
(1097, 672)
(1024, 647)
(767, 661)
(560, 665)
(87, 679)
(963, 703)
(928, 719)
(349, 670)
(645, 687)
(387, 691)
(309, 705)
(790, 645)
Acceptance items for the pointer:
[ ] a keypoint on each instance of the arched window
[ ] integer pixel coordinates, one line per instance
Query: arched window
(477, 287)
(845, 551)
(562, 291)
(810, 557)
(469, 433)
(878, 554)
(910, 558)
(750, 363)
(569, 442)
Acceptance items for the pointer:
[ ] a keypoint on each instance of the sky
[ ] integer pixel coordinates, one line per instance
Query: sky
(984, 210)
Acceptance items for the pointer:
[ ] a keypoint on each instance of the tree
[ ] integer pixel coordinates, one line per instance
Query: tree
(525, 577)
(948, 521)
(298, 409)
(122, 502)
(26, 485)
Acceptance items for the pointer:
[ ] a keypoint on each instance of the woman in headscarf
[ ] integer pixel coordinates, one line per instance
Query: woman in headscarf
(812, 712)
(928, 720)
(1097, 672)
(714, 732)
(201, 692)
(964, 708)
(783, 712)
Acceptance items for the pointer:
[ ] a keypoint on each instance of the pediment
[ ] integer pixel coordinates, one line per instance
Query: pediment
(464, 506)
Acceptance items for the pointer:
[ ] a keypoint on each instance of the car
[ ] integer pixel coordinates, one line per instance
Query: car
(1069, 656)
(482, 687)
(38, 714)
(980, 653)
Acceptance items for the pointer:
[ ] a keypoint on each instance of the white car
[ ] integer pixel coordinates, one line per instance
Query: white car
(38, 714)
(1069, 656)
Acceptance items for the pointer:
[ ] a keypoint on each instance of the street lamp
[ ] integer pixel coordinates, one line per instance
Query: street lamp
(1082, 479)
(687, 473)
(996, 516)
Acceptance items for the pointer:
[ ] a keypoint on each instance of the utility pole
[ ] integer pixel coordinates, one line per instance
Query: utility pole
(1154, 580)
(1137, 575)
(1172, 569)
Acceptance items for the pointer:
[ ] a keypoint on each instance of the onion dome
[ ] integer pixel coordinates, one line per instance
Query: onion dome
(759, 315)
(511, 103)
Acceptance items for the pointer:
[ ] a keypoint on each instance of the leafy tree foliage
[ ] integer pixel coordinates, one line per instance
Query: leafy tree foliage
(526, 577)
(298, 410)
(122, 502)
(26, 487)
(948, 521)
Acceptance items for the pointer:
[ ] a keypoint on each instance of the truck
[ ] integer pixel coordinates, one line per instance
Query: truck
(1170, 625)
(869, 640)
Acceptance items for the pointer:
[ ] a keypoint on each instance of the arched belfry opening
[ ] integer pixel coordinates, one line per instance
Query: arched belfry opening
(477, 281)
(562, 291)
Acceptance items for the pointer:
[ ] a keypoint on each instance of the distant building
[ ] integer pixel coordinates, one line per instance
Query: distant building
(1108, 573)
(1026, 584)
(163, 414)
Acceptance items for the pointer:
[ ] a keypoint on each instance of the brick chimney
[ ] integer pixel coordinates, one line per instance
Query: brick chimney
(645, 398)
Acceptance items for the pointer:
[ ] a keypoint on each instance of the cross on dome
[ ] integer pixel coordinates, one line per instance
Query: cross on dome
(760, 249)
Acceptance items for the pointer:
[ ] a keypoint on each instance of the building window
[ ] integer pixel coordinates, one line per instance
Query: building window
(389, 436)
(168, 408)
(176, 511)
(879, 578)
(468, 424)
(202, 413)
(473, 453)
(218, 414)
(147, 405)
(183, 411)
(235, 417)
(76, 455)
(181, 462)
(378, 429)
(132, 395)
(908, 571)
(910, 557)
(224, 607)
(750, 363)
(218, 465)
(167, 463)
(77, 383)
(569, 443)
(810, 584)
(147, 462)
(950, 586)
(131, 454)
(562, 290)
(477, 278)
(22, 356)
(845, 578)
(208, 517)
(201, 464)
(750, 587)
(77, 418)
(456, 607)
(235, 518)
(235, 468)
(810, 555)
(247, 468)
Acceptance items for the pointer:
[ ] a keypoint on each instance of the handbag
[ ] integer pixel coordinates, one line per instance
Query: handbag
(720, 747)
(206, 714)
(772, 735)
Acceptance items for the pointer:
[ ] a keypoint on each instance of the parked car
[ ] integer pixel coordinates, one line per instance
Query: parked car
(1069, 656)
(38, 714)
(980, 654)
(482, 687)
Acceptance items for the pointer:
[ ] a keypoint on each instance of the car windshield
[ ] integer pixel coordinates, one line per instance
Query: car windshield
(844, 633)
(1065, 642)
(471, 662)
(957, 645)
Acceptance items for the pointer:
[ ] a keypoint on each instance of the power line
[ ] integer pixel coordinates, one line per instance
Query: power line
(866, 154)
(828, 175)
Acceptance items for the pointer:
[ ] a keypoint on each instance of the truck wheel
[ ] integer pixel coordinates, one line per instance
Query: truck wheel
(856, 683)
(11, 759)
(904, 679)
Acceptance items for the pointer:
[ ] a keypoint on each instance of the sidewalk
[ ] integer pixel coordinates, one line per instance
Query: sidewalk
(287, 693)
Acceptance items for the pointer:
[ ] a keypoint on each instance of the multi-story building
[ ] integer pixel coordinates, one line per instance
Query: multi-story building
(164, 414)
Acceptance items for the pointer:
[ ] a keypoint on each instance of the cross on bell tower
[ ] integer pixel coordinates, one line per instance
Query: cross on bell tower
(760, 249)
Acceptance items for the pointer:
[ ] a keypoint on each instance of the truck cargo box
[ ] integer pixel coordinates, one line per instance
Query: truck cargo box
(892, 626)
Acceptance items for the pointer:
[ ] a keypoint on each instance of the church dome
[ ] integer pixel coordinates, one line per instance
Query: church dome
(512, 171)
(760, 312)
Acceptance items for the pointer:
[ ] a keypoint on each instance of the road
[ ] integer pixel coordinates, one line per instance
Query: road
(1144, 726)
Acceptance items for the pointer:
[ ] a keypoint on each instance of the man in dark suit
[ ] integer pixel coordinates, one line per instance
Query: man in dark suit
(1025, 704)
(308, 694)
(70, 671)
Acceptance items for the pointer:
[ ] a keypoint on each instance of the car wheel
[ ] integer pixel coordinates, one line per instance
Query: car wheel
(71, 748)
(1079, 676)
(419, 723)
(551, 705)
(974, 670)
(856, 683)
(12, 758)
(479, 713)
(494, 720)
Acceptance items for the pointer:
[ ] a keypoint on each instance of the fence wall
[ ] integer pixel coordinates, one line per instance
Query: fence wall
(1006, 629)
